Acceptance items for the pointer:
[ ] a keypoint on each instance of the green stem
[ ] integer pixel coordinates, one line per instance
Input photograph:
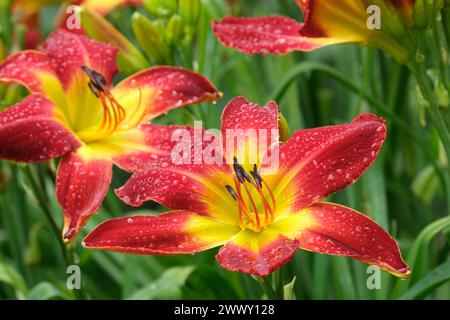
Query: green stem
(277, 279)
(443, 71)
(436, 117)
(68, 251)
(80, 294)
(267, 287)
(38, 192)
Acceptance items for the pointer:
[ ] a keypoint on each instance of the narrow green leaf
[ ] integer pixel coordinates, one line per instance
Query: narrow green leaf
(168, 286)
(44, 291)
(427, 284)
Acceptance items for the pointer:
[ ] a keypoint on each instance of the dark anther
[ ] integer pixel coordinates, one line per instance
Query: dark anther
(237, 170)
(97, 81)
(241, 174)
(232, 192)
(245, 175)
(257, 178)
(93, 89)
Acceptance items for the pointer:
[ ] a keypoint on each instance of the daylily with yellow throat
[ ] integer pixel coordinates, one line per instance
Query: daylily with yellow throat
(326, 23)
(72, 112)
(260, 213)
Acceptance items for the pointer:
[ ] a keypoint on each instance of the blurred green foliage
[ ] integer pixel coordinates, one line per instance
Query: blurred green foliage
(403, 191)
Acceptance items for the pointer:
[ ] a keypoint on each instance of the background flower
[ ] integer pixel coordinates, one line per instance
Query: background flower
(72, 112)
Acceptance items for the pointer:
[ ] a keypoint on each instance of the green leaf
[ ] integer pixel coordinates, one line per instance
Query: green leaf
(431, 281)
(168, 286)
(426, 184)
(417, 255)
(10, 276)
(289, 292)
(44, 291)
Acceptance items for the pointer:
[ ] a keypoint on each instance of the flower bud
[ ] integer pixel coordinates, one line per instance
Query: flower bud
(175, 29)
(161, 8)
(442, 95)
(425, 11)
(190, 11)
(150, 36)
(283, 127)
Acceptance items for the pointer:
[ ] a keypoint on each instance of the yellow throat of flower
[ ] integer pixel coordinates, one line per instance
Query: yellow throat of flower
(113, 112)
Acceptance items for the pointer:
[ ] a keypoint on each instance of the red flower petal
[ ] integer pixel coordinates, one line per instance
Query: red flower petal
(178, 187)
(257, 253)
(259, 127)
(324, 160)
(333, 229)
(276, 35)
(168, 88)
(26, 68)
(81, 184)
(29, 132)
(170, 233)
(159, 140)
(68, 52)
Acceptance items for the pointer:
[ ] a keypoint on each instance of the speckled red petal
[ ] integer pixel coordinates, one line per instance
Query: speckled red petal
(29, 132)
(160, 140)
(68, 51)
(174, 87)
(276, 35)
(81, 185)
(169, 233)
(178, 187)
(266, 260)
(25, 68)
(242, 114)
(324, 160)
(338, 230)
(253, 121)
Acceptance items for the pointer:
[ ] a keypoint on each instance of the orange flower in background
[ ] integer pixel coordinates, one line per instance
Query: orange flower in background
(30, 7)
(73, 113)
(28, 11)
(261, 215)
(325, 23)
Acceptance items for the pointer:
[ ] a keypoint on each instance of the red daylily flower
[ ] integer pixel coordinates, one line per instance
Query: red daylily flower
(74, 113)
(325, 23)
(260, 215)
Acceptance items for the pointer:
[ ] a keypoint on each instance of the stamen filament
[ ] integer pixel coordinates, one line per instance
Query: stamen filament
(242, 203)
(267, 209)
(272, 196)
(255, 209)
